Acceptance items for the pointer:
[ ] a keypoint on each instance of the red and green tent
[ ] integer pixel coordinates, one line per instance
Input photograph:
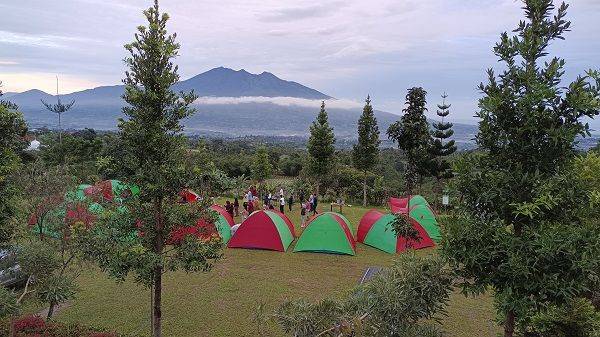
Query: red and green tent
(400, 205)
(327, 233)
(426, 218)
(375, 230)
(223, 214)
(419, 211)
(112, 190)
(223, 223)
(264, 230)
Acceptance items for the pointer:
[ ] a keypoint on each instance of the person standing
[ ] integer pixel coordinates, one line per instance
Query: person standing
(315, 204)
(282, 204)
(290, 201)
(229, 208)
(236, 206)
(281, 192)
(303, 207)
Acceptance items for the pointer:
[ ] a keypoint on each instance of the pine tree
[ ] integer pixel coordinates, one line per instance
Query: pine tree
(321, 147)
(261, 165)
(59, 108)
(366, 153)
(527, 230)
(441, 147)
(156, 151)
(411, 133)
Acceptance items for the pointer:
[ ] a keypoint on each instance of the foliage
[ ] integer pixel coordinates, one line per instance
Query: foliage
(442, 146)
(411, 133)
(261, 165)
(35, 326)
(290, 165)
(8, 303)
(577, 318)
(12, 132)
(525, 231)
(366, 152)
(136, 241)
(396, 302)
(320, 147)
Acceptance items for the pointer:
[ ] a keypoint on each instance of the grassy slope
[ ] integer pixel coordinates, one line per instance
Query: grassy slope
(221, 303)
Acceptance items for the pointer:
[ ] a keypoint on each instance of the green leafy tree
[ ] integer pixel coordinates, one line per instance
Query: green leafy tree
(12, 136)
(136, 241)
(261, 165)
(442, 146)
(526, 231)
(320, 147)
(411, 133)
(366, 153)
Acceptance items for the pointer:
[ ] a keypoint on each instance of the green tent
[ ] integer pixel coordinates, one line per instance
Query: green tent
(223, 228)
(327, 233)
(425, 217)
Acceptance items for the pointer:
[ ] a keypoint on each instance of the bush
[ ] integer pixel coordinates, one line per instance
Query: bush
(398, 301)
(35, 326)
(8, 303)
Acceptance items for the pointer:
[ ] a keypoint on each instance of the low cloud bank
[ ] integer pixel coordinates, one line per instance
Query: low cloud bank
(284, 101)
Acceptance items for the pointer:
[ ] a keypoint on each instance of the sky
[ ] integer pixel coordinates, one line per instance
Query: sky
(344, 48)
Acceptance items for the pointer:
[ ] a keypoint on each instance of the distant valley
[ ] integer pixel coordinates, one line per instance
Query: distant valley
(232, 104)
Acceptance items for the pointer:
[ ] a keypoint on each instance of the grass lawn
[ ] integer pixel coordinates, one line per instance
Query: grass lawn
(221, 303)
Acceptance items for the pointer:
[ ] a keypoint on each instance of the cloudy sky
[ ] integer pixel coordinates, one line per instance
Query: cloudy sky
(344, 48)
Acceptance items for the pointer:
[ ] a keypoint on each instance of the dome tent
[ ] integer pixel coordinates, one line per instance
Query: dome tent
(420, 211)
(223, 223)
(327, 233)
(425, 217)
(112, 190)
(375, 230)
(400, 205)
(264, 230)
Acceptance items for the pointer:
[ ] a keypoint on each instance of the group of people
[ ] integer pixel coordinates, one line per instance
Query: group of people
(251, 198)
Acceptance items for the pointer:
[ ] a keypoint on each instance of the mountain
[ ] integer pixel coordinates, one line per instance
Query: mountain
(224, 82)
(249, 104)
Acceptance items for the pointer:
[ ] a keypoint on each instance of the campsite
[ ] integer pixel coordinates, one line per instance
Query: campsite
(443, 181)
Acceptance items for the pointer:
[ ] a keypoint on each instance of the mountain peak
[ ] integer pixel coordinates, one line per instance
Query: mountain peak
(226, 82)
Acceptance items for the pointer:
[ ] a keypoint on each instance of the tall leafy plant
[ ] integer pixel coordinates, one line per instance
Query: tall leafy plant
(320, 147)
(366, 152)
(525, 232)
(411, 133)
(136, 241)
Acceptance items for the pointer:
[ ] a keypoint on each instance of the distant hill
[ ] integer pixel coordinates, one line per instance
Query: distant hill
(256, 114)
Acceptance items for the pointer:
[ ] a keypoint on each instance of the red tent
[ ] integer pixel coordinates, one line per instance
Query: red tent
(263, 230)
(188, 196)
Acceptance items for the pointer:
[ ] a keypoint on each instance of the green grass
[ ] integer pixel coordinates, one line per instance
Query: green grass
(221, 303)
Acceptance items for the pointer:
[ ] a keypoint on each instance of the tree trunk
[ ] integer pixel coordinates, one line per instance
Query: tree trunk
(156, 312)
(158, 270)
(365, 191)
(509, 324)
(50, 311)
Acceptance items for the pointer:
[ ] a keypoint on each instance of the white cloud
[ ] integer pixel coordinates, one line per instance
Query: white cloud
(284, 101)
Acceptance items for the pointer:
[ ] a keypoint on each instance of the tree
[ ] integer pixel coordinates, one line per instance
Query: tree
(527, 230)
(411, 133)
(136, 241)
(320, 147)
(12, 141)
(441, 147)
(366, 152)
(261, 165)
(59, 108)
